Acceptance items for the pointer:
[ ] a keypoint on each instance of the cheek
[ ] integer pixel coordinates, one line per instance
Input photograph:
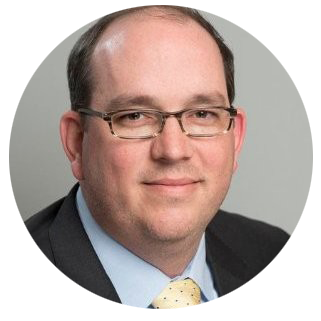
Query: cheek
(218, 157)
(121, 162)
(94, 155)
(112, 161)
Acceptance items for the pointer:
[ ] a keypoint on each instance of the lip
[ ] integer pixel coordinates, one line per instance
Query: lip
(172, 181)
(173, 187)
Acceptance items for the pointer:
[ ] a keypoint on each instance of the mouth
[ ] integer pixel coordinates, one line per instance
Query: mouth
(177, 186)
(173, 182)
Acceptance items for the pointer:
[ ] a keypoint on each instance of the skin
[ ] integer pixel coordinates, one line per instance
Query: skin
(154, 196)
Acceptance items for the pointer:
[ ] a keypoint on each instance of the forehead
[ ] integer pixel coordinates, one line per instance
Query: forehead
(143, 53)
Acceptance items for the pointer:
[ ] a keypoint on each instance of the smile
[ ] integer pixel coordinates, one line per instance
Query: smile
(173, 182)
(171, 186)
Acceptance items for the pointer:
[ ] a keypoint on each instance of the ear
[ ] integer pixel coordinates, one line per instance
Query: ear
(71, 133)
(239, 134)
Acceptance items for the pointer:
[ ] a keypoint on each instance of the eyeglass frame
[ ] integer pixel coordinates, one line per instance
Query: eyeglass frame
(107, 116)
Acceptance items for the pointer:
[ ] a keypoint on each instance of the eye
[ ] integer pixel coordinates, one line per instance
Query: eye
(130, 116)
(133, 116)
(205, 114)
(201, 114)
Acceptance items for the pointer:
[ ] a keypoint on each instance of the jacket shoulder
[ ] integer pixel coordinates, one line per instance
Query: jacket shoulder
(39, 224)
(255, 241)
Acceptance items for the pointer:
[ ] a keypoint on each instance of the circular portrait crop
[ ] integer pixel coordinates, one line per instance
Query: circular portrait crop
(160, 157)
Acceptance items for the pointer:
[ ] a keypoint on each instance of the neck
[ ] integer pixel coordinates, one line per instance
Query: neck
(170, 257)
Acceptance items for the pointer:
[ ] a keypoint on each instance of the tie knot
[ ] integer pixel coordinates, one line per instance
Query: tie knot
(178, 294)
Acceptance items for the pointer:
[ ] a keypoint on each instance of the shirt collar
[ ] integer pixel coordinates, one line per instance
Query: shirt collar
(130, 274)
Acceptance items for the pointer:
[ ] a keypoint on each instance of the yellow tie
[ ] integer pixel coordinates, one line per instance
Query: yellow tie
(178, 294)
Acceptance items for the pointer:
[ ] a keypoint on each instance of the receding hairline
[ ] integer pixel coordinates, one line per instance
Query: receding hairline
(174, 13)
(141, 14)
(168, 13)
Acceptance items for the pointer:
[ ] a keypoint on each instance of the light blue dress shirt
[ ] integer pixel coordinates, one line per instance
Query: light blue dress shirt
(136, 281)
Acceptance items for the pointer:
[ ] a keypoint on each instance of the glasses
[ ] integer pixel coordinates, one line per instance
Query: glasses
(148, 123)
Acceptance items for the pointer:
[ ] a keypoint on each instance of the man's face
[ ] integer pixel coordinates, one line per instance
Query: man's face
(168, 187)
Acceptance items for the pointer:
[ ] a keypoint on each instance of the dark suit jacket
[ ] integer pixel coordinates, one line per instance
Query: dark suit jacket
(237, 248)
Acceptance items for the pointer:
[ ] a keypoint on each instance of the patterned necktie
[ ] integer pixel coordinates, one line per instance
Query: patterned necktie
(178, 294)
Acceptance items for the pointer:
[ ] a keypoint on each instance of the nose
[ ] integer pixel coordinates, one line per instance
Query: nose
(171, 145)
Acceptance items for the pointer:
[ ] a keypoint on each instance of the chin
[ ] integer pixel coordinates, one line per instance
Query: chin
(173, 227)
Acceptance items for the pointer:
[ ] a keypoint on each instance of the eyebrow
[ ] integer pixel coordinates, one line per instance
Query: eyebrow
(145, 101)
(214, 99)
(128, 101)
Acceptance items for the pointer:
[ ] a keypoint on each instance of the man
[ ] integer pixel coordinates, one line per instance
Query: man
(153, 140)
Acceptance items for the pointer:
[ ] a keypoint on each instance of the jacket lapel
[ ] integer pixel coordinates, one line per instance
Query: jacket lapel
(74, 254)
(229, 271)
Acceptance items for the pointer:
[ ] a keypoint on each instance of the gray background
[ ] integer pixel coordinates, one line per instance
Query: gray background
(275, 167)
